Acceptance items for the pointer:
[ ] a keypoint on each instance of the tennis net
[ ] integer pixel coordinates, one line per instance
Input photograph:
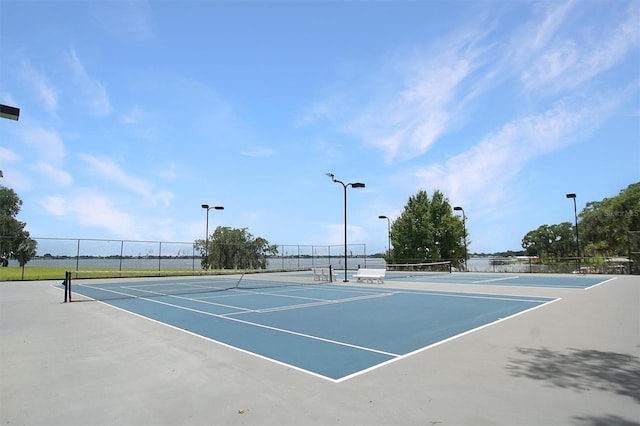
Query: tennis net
(142, 288)
(409, 269)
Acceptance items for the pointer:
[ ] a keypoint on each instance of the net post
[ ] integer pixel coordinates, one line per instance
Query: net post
(67, 286)
(330, 273)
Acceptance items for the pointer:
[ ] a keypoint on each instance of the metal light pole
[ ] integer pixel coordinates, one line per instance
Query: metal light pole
(388, 237)
(575, 215)
(464, 227)
(206, 243)
(353, 185)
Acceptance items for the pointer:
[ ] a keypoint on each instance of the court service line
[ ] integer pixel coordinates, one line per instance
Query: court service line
(316, 302)
(320, 303)
(494, 279)
(268, 327)
(514, 298)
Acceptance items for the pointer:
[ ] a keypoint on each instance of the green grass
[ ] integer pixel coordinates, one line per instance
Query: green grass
(34, 273)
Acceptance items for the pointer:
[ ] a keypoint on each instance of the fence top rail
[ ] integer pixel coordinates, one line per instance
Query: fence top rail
(112, 240)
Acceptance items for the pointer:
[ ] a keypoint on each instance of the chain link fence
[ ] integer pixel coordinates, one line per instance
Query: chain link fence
(113, 258)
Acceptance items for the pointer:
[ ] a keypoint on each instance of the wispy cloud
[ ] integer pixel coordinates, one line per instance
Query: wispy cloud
(45, 145)
(407, 106)
(334, 235)
(54, 175)
(127, 19)
(8, 156)
(91, 209)
(45, 154)
(555, 61)
(134, 116)
(94, 92)
(109, 170)
(259, 152)
(39, 82)
(490, 166)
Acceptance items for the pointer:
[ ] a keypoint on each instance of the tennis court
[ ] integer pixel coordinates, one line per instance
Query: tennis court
(331, 331)
(403, 352)
(503, 279)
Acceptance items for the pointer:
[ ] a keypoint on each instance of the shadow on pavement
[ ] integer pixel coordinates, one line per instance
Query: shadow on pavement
(580, 370)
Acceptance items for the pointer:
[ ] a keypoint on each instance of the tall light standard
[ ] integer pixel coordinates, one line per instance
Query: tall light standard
(206, 243)
(353, 185)
(464, 228)
(388, 237)
(575, 215)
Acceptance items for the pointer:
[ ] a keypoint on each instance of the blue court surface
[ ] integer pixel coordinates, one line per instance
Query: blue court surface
(514, 280)
(331, 331)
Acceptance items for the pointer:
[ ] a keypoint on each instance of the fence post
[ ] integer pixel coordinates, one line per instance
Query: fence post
(78, 258)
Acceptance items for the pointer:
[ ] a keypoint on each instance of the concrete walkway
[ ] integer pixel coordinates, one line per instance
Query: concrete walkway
(573, 362)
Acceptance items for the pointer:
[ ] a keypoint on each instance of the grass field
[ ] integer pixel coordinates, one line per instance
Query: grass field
(14, 273)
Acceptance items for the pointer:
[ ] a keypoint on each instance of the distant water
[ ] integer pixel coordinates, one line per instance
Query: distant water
(480, 264)
(152, 264)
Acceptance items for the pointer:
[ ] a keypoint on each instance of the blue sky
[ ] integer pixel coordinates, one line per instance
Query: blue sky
(134, 113)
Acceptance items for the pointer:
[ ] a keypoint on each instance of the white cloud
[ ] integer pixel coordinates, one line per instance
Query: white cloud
(558, 62)
(8, 156)
(335, 236)
(91, 209)
(93, 91)
(414, 99)
(134, 116)
(411, 120)
(39, 82)
(482, 173)
(128, 19)
(44, 144)
(110, 171)
(54, 175)
(259, 152)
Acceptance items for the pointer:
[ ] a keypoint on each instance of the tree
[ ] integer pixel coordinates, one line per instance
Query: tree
(604, 225)
(427, 230)
(603, 229)
(551, 241)
(25, 252)
(232, 248)
(14, 239)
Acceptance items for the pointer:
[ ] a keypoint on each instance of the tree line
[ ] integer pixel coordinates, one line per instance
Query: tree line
(605, 228)
(15, 241)
(427, 230)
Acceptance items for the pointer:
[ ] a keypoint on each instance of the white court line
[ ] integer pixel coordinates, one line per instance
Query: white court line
(395, 357)
(320, 303)
(268, 327)
(494, 279)
(600, 283)
(219, 342)
(433, 345)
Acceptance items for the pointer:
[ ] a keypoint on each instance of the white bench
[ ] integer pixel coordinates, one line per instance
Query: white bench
(322, 274)
(370, 275)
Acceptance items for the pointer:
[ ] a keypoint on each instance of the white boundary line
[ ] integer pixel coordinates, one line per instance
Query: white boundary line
(441, 342)
(495, 279)
(600, 283)
(395, 357)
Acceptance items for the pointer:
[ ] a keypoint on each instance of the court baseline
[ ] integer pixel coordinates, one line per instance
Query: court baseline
(331, 331)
